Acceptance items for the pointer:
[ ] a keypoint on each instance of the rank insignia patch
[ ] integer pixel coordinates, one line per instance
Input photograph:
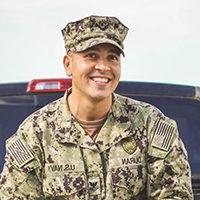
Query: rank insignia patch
(129, 145)
(163, 135)
(20, 152)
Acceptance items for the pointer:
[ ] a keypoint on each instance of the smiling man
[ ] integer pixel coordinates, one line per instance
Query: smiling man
(93, 144)
(96, 73)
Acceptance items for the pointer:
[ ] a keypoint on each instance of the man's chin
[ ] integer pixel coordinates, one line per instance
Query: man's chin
(100, 97)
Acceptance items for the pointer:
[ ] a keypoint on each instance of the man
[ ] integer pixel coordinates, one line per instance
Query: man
(92, 143)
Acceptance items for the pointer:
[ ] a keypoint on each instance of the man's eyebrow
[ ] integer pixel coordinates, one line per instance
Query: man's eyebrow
(115, 51)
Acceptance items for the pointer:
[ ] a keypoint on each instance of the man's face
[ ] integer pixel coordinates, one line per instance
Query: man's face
(95, 72)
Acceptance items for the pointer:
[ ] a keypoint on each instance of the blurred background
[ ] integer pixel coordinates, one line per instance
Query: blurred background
(163, 43)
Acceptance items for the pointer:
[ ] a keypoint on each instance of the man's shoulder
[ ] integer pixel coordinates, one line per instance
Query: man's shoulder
(48, 111)
(43, 116)
(135, 109)
(133, 104)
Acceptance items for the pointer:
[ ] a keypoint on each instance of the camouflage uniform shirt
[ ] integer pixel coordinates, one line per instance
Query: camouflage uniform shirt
(137, 155)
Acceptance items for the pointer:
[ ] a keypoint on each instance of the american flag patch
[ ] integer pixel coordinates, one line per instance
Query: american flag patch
(20, 152)
(163, 135)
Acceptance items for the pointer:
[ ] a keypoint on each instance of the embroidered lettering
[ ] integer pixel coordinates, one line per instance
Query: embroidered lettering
(55, 168)
(61, 168)
(132, 160)
(69, 167)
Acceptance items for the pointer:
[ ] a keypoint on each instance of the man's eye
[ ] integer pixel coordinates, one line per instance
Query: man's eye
(113, 57)
(91, 55)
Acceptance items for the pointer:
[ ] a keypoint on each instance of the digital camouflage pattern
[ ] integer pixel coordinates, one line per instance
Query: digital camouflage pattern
(126, 161)
(93, 30)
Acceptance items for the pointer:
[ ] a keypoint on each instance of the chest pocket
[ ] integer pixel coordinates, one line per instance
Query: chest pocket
(128, 182)
(65, 185)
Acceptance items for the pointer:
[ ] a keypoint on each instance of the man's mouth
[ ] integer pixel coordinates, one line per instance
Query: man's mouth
(100, 79)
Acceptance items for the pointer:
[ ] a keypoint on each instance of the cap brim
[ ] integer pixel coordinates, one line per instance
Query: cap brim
(83, 45)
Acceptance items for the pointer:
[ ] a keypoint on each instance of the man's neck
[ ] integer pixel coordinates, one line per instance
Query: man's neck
(87, 110)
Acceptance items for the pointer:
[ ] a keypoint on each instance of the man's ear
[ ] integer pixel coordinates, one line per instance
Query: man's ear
(67, 63)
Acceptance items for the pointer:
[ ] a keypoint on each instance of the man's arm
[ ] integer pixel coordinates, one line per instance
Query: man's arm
(20, 178)
(169, 174)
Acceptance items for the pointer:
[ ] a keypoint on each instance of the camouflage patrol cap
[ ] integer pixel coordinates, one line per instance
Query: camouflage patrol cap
(90, 31)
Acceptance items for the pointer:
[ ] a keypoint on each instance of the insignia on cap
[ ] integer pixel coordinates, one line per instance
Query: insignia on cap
(129, 145)
(163, 135)
(20, 152)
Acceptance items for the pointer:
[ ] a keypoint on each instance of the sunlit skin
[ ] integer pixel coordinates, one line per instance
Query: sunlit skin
(95, 75)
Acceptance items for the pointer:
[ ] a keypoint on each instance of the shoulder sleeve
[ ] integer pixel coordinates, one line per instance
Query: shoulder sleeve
(21, 175)
(169, 174)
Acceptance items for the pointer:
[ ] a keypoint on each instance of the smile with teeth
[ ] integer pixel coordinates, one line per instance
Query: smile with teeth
(100, 80)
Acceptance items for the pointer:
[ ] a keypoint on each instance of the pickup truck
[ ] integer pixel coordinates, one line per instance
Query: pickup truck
(182, 103)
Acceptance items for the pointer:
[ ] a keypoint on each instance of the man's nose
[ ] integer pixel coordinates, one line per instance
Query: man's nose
(102, 67)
